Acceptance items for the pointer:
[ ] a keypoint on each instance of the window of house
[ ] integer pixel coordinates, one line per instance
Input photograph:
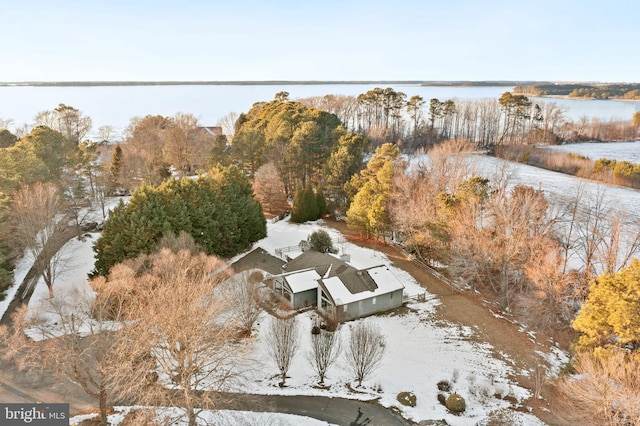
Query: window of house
(373, 300)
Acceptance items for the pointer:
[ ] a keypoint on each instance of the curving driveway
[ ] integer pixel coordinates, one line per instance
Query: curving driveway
(339, 411)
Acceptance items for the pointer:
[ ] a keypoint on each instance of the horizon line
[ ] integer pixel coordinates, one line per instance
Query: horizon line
(295, 82)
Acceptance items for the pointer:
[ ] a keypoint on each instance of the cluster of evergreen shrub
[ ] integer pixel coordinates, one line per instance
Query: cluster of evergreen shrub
(219, 211)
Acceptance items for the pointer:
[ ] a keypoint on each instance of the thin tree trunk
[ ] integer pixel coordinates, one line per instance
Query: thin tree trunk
(103, 406)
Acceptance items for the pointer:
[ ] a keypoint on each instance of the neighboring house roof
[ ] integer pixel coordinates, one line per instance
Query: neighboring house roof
(212, 130)
(261, 259)
(302, 281)
(352, 287)
(321, 262)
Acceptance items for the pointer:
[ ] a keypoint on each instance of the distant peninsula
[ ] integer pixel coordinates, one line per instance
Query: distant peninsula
(582, 91)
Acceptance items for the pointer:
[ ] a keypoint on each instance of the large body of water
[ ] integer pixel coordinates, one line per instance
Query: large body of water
(116, 105)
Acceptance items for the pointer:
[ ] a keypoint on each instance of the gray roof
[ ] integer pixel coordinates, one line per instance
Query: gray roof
(261, 259)
(321, 262)
(358, 281)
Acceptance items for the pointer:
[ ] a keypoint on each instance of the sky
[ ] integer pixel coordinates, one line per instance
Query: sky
(200, 40)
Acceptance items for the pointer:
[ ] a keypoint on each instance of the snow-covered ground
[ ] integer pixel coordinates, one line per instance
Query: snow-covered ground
(619, 151)
(420, 351)
(76, 262)
(221, 418)
(559, 186)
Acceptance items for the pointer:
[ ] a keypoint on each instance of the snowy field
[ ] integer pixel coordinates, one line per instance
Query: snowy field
(619, 151)
(559, 186)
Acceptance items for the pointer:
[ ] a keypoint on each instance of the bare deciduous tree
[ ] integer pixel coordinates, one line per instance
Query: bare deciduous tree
(106, 134)
(243, 292)
(552, 298)
(182, 319)
(228, 125)
(67, 120)
(620, 241)
(365, 350)
(282, 343)
(69, 337)
(71, 122)
(590, 231)
(101, 191)
(179, 148)
(268, 186)
(325, 349)
(38, 228)
(606, 390)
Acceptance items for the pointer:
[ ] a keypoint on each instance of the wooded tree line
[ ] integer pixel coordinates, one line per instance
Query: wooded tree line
(590, 91)
(54, 166)
(385, 115)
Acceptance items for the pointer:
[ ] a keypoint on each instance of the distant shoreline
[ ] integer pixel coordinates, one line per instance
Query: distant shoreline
(258, 83)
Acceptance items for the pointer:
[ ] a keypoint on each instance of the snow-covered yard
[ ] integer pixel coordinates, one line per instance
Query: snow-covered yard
(420, 351)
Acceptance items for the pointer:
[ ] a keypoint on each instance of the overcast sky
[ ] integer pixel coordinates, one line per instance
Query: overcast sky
(88, 40)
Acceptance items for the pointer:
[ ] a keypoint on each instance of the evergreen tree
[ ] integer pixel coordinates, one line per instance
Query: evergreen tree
(321, 241)
(219, 153)
(52, 148)
(305, 204)
(7, 138)
(244, 220)
(219, 211)
(321, 202)
(610, 316)
(345, 160)
(298, 214)
(310, 202)
(369, 211)
(116, 168)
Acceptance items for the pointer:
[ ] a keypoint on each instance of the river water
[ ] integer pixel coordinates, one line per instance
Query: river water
(116, 105)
